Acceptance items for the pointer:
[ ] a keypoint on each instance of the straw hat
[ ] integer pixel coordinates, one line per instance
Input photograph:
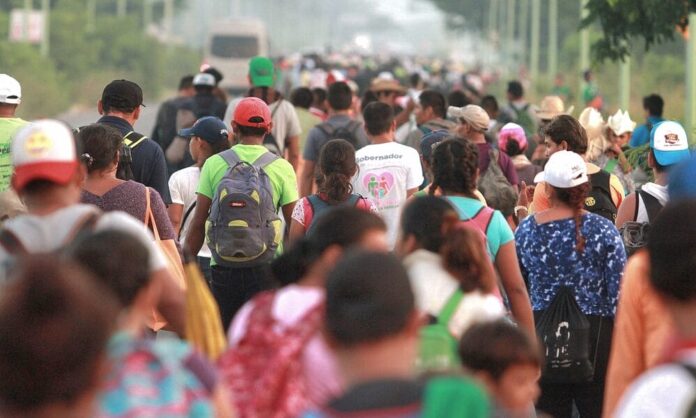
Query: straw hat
(552, 106)
(384, 84)
(621, 123)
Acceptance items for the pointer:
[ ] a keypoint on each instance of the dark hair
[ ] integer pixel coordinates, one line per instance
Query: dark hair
(368, 298)
(103, 254)
(100, 144)
(186, 82)
(336, 167)
(515, 89)
(575, 197)
(424, 218)
(458, 98)
(342, 226)
(108, 107)
(490, 102)
(368, 97)
(495, 346)
(378, 118)
(658, 167)
(434, 100)
(251, 131)
(512, 147)
(587, 75)
(653, 104)
(567, 128)
(203, 89)
(319, 96)
(454, 163)
(414, 79)
(301, 97)
(55, 321)
(340, 96)
(464, 256)
(267, 94)
(672, 249)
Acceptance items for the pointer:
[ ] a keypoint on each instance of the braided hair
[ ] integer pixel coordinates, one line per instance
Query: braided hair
(454, 165)
(575, 198)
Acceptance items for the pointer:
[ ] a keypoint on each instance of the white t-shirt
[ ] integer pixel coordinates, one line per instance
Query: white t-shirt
(658, 192)
(41, 234)
(285, 120)
(663, 392)
(385, 173)
(182, 187)
(433, 285)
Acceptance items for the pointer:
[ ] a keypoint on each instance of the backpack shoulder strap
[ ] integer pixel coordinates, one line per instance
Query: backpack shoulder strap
(133, 139)
(230, 157)
(326, 128)
(316, 203)
(484, 217)
(265, 159)
(186, 216)
(353, 200)
(652, 205)
(450, 307)
(11, 243)
(84, 227)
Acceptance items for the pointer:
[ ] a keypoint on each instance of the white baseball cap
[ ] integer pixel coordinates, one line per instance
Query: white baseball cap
(204, 79)
(474, 115)
(669, 143)
(43, 150)
(10, 90)
(565, 169)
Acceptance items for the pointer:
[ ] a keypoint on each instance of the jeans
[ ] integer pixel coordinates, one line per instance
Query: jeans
(204, 265)
(233, 287)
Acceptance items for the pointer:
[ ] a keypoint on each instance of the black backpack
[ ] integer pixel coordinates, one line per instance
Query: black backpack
(565, 332)
(599, 200)
(635, 234)
(347, 132)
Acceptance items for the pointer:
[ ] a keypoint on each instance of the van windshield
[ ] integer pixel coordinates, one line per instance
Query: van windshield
(234, 46)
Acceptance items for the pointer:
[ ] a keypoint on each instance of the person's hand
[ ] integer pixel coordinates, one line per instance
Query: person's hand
(526, 195)
(410, 105)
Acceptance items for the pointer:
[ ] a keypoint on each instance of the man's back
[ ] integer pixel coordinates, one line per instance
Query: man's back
(321, 134)
(149, 166)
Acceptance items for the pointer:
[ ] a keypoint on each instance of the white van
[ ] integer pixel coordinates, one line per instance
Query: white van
(230, 45)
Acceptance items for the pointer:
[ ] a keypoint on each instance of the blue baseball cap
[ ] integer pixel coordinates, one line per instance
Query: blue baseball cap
(669, 143)
(210, 128)
(431, 139)
(682, 180)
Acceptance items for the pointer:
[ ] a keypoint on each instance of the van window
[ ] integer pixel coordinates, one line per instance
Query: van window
(234, 46)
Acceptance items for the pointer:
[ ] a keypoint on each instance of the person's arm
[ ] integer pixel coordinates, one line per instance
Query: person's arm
(292, 149)
(617, 190)
(172, 301)
(509, 270)
(158, 179)
(404, 115)
(159, 211)
(307, 178)
(196, 232)
(298, 222)
(297, 231)
(175, 212)
(627, 210)
(627, 359)
(287, 210)
(410, 192)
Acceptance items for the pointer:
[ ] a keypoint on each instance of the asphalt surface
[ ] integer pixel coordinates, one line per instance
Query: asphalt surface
(144, 125)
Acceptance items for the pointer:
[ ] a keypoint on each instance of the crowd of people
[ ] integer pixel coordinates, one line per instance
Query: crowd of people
(372, 250)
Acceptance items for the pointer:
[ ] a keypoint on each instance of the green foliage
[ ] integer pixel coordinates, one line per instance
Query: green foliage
(81, 63)
(653, 21)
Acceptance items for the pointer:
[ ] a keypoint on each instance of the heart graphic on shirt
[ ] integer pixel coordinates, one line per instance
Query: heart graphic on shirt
(378, 184)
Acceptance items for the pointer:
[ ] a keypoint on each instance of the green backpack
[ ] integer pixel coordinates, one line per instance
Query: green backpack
(438, 347)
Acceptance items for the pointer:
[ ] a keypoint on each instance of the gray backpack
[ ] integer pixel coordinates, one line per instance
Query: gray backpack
(243, 228)
(496, 188)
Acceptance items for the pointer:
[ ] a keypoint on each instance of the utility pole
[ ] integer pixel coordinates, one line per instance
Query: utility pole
(690, 117)
(45, 41)
(492, 18)
(510, 31)
(121, 8)
(147, 14)
(28, 6)
(91, 16)
(534, 48)
(523, 26)
(584, 49)
(168, 19)
(553, 40)
(625, 83)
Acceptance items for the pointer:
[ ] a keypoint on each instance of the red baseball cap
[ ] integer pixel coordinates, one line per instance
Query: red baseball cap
(253, 112)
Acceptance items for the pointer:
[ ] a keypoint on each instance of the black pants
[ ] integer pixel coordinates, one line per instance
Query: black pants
(557, 398)
(233, 287)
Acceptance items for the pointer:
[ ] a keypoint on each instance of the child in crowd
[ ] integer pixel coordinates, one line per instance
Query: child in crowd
(208, 136)
(146, 377)
(508, 362)
(335, 168)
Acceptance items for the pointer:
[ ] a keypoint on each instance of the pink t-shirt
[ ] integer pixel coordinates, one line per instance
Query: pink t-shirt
(291, 304)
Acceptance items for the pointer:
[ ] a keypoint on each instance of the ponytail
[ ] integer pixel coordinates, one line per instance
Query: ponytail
(575, 198)
(464, 256)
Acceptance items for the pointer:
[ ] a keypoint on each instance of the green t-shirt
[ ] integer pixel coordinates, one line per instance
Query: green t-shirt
(8, 127)
(280, 172)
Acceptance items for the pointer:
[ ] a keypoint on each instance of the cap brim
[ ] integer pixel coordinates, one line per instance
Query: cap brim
(56, 172)
(667, 158)
(262, 81)
(540, 178)
(186, 132)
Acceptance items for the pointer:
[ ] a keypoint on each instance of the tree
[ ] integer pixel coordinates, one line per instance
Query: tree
(653, 21)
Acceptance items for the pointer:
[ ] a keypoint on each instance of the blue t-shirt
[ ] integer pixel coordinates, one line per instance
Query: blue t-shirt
(641, 135)
(498, 232)
(548, 260)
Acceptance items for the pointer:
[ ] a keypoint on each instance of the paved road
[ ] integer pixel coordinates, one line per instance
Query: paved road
(144, 125)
